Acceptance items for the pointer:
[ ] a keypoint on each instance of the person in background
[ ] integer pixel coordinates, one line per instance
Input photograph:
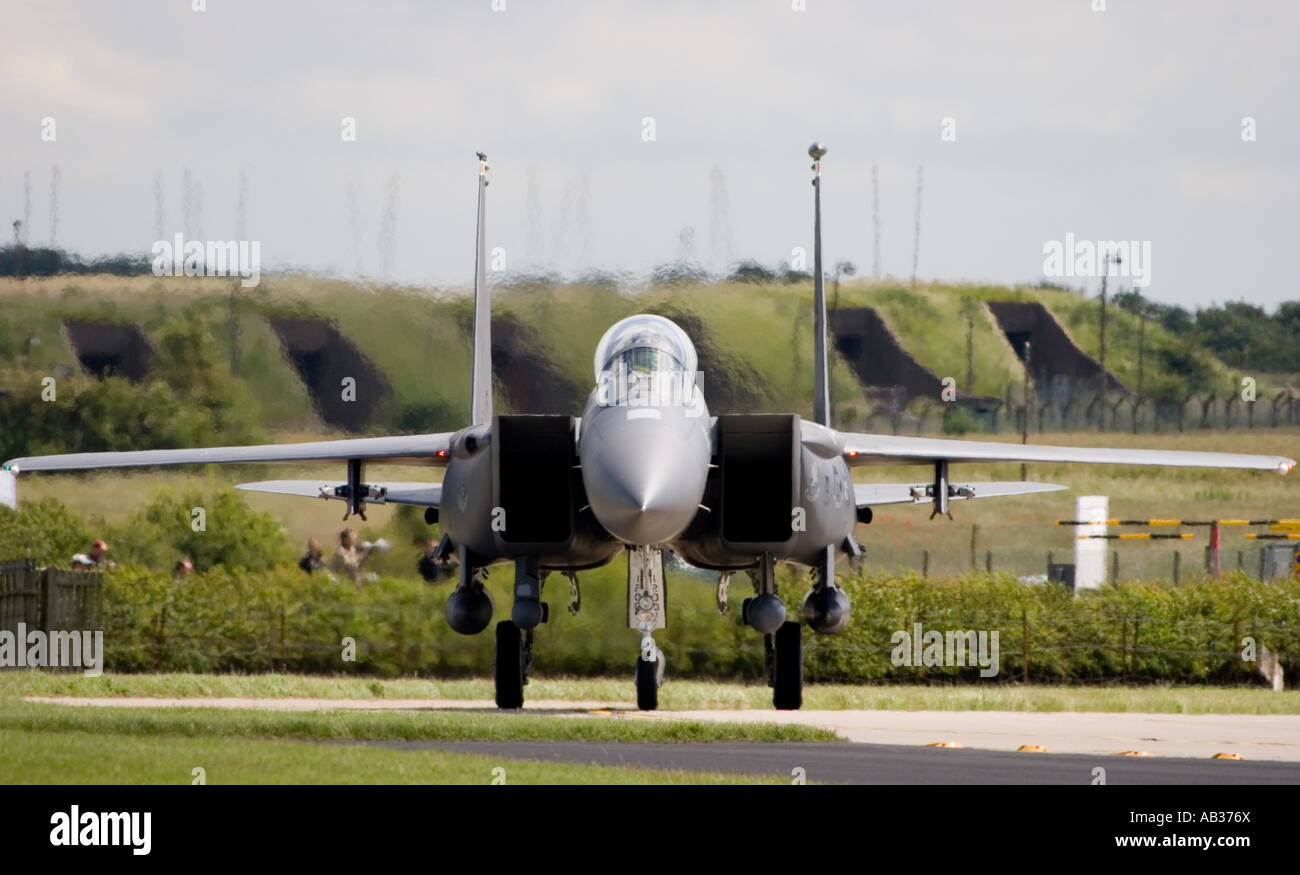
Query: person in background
(184, 568)
(314, 560)
(96, 558)
(430, 568)
(349, 555)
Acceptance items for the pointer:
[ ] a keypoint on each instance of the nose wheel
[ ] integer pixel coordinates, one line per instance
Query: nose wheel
(649, 675)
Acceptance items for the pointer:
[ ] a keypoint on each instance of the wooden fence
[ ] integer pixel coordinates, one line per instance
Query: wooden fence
(50, 599)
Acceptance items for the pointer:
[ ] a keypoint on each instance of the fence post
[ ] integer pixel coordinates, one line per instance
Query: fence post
(1178, 561)
(1123, 645)
(401, 642)
(974, 536)
(159, 638)
(1133, 654)
(988, 561)
(1114, 567)
(925, 563)
(1024, 646)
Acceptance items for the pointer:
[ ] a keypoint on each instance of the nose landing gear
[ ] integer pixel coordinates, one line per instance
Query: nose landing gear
(646, 611)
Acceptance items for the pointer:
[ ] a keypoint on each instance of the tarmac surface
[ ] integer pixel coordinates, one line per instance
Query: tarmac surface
(840, 763)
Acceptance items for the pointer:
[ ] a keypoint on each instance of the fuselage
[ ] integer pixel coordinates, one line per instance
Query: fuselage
(657, 469)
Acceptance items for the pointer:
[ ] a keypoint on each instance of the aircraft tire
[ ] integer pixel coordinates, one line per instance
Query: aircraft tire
(647, 685)
(509, 666)
(787, 689)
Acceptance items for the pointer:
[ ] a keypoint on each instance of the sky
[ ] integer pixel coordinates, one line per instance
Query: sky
(623, 135)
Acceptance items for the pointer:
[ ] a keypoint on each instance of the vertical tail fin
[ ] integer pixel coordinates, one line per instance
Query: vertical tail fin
(821, 371)
(481, 380)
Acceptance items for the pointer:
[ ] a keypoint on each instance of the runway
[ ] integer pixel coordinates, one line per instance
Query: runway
(839, 763)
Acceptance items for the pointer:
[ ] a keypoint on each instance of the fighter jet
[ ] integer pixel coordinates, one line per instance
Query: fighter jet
(647, 469)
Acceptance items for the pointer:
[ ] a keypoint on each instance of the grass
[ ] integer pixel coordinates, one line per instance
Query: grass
(61, 744)
(490, 725)
(89, 758)
(675, 695)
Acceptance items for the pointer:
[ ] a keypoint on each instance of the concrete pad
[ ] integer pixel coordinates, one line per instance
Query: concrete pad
(1254, 736)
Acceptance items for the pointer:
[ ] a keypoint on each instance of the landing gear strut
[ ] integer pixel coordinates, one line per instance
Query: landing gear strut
(782, 639)
(514, 653)
(646, 612)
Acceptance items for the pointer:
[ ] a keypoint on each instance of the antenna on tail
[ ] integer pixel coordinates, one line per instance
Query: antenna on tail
(821, 373)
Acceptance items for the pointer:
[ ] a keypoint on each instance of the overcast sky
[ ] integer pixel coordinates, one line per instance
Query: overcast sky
(1120, 124)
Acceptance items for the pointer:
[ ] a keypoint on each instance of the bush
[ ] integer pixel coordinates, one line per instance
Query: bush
(233, 535)
(44, 531)
(282, 619)
(959, 421)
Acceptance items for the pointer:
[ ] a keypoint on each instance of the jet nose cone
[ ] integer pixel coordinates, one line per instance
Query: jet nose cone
(644, 484)
(645, 506)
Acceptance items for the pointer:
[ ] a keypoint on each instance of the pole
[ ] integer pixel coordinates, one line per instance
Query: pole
(1024, 426)
(1101, 378)
(970, 353)
(1107, 260)
(1142, 337)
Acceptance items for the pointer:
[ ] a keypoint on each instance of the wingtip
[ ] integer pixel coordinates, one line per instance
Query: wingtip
(1285, 466)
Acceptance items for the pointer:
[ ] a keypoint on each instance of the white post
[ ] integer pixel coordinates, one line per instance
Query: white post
(1090, 553)
(8, 488)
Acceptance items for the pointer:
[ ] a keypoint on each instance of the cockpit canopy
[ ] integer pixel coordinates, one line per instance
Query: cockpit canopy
(645, 344)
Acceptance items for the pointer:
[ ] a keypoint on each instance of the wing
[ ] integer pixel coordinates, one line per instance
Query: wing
(419, 494)
(885, 449)
(873, 494)
(424, 449)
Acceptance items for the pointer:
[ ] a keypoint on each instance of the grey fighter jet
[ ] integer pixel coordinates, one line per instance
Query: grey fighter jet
(645, 469)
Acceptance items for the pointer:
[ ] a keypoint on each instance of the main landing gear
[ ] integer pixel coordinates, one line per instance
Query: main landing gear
(514, 644)
(782, 638)
(514, 657)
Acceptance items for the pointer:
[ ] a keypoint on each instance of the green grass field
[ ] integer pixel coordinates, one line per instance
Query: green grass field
(61, 744)
(39, 757)
(675, 695)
